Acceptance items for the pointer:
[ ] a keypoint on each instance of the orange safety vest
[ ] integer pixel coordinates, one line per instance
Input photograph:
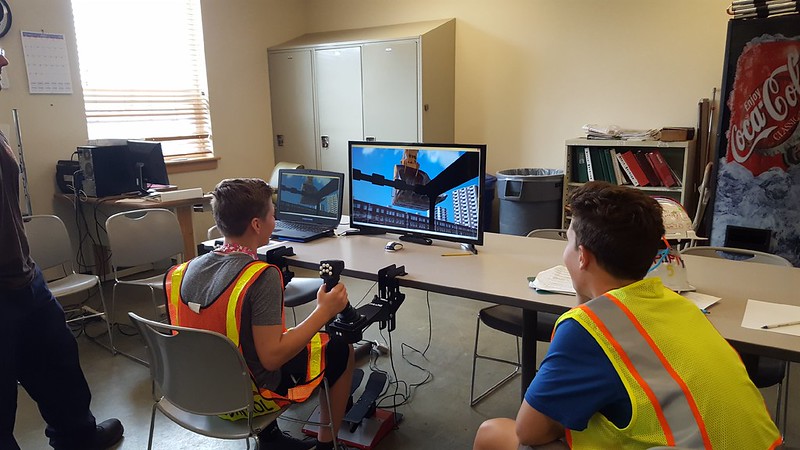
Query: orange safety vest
(224, 316)
(687, 386)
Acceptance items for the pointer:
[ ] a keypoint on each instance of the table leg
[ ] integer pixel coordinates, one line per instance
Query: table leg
(529, 321)
(184, 214)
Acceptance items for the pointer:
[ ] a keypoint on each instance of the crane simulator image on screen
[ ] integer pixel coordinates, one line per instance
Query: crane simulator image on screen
(430, 190)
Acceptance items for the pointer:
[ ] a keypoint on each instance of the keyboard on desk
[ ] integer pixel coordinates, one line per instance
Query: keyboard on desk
(301, 226)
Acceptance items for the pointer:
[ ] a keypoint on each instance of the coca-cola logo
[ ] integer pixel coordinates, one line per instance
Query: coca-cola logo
(770, 114)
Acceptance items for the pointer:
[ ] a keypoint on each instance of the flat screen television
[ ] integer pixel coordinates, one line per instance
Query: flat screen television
(420, 191)
(146, 160)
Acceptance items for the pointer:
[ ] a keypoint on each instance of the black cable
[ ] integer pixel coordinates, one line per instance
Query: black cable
(408, 389)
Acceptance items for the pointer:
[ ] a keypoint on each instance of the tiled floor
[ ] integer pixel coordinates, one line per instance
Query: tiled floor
(436, 416)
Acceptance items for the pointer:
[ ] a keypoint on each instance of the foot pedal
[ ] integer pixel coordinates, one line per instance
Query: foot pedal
(366, 403)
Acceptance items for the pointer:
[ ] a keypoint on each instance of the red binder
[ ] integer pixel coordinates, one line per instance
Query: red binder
(636, 170)
(647, 168)
(662, 169)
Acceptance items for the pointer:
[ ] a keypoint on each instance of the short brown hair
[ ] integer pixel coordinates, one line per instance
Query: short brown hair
(621, 226)
(237, 201)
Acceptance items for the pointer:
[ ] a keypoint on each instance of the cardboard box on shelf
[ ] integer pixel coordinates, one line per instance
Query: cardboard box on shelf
(673, 134)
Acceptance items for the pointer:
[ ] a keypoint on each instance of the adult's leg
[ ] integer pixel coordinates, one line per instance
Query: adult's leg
(9, 341)
(337, 352)
(49, 369)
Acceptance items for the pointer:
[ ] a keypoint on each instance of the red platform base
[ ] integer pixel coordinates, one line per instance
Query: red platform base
(367, 435)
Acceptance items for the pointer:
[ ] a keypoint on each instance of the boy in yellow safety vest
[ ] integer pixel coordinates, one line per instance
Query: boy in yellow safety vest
(635, 365)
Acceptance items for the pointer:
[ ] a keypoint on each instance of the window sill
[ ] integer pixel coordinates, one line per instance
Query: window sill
(192, 164)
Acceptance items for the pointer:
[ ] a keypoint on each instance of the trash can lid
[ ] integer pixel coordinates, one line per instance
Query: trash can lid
(528, 173)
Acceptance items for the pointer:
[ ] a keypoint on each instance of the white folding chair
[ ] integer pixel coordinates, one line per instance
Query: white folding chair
(50, 248)
(198, 375)
(148, 238)
(763, 371)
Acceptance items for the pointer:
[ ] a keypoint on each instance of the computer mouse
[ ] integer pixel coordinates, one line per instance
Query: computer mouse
(393, 246)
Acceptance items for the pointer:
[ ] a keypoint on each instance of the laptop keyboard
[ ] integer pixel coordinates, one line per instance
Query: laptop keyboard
(301, 226)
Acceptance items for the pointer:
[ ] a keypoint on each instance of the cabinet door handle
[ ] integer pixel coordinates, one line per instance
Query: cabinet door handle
(325, 141)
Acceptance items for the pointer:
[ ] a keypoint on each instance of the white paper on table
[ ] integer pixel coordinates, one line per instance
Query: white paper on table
(555, 279)
(702, 301)
(758, 314)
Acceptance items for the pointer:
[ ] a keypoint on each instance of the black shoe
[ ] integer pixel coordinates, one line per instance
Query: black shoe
(275, 438)
(109, 432)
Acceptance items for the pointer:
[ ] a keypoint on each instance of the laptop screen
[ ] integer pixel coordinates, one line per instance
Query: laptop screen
(309, 196)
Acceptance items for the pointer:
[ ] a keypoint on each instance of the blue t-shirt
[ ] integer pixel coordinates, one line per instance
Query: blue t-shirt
(576, 380)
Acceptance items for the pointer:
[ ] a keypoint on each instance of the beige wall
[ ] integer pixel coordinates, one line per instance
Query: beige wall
(237, 35)
(529, 74)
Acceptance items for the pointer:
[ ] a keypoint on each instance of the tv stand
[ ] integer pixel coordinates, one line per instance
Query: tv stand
(416, 239)
(470, 248)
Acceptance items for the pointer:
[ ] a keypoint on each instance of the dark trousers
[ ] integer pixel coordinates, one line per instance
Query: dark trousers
(39, 351)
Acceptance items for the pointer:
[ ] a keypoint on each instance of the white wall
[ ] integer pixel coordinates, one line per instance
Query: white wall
(530, 73)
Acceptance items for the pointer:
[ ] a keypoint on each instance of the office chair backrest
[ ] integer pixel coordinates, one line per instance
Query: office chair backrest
(199, 371)
(49, 242)
(143, 236)
(549, 233)
(213, 233)
(750, 255)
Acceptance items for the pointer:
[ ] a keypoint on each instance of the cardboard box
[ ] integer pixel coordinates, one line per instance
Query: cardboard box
(673, 134)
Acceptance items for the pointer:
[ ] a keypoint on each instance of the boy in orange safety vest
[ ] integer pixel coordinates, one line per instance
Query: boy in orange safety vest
(229, 291)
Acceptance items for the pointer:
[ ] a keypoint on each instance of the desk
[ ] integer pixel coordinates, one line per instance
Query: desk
(498, 275)
(183, 210)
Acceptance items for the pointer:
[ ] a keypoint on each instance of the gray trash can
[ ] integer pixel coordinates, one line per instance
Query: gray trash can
(530, 199)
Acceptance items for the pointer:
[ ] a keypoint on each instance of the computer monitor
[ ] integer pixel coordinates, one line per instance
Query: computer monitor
(421, 191)
(147, 164)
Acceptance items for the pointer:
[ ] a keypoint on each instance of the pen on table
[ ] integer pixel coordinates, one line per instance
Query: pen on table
(456, 254)
(778, 325)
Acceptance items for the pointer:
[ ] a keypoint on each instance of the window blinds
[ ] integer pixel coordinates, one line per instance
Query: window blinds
(143, 72)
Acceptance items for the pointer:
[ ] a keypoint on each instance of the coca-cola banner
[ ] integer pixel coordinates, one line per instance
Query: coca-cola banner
(758, 177)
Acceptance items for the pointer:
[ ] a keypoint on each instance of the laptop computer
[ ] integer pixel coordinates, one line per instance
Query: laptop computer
(309, 204)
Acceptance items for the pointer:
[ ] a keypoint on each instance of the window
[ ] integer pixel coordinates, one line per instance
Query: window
(143, 72)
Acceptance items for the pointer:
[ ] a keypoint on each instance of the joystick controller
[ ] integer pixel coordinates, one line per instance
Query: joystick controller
(330, 271)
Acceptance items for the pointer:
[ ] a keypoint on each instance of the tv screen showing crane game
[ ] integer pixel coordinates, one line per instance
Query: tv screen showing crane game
(430, 190)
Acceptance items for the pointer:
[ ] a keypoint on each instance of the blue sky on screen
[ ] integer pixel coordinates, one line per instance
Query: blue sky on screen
(381, 160)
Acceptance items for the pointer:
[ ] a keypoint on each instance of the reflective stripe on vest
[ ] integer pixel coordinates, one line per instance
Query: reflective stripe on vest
(678, 414)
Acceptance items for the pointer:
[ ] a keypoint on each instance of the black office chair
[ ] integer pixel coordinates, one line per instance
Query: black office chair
(508, 319)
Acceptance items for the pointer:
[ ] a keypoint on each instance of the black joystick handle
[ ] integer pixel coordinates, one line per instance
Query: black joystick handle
(330, 271)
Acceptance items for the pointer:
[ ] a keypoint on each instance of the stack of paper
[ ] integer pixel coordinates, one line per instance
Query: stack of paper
(594, 131)
(556, 279)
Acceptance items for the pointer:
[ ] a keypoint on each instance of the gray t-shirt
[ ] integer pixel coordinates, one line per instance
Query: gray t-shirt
(16, 266)
(207, 278)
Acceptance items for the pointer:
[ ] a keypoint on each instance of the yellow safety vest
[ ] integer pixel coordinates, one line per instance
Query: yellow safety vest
(687, 386)
(224, 315)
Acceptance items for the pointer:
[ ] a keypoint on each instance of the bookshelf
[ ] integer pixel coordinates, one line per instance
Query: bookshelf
(679, 156)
